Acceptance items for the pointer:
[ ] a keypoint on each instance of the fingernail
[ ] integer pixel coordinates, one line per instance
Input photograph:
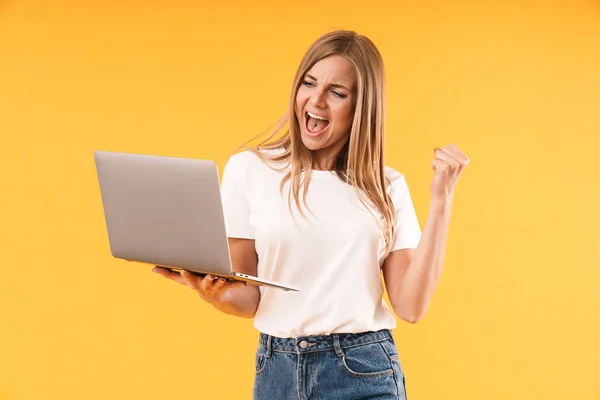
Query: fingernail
(436, 150)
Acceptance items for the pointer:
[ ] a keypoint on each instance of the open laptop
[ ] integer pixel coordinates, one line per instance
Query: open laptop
(167, 211)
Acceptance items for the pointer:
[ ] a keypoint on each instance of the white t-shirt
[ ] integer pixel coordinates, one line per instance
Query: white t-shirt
(334, 256)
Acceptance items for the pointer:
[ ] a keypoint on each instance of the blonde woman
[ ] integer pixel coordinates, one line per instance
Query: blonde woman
(318, 208)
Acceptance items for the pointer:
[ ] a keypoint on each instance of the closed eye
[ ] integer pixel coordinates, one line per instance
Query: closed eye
(312, 84)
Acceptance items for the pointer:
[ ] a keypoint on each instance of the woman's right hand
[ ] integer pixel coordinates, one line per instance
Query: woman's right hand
(233, 298)
(210, 288)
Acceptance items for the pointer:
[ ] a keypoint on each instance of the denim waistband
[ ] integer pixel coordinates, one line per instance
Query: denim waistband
(335, 341)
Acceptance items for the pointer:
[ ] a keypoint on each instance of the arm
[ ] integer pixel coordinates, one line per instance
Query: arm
(412, 276)
(241, 301)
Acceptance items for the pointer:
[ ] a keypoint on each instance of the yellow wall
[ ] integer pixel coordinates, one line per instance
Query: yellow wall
(516, 84)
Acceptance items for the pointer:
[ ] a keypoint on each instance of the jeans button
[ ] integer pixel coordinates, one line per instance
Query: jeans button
(304, 344)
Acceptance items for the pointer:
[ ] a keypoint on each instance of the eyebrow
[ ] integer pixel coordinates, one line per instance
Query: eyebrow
(335, 85)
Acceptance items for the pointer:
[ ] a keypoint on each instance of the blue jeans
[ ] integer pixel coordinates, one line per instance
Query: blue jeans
(338, 366)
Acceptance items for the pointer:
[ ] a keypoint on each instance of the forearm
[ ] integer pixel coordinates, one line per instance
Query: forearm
(423, 274)
(239, 302)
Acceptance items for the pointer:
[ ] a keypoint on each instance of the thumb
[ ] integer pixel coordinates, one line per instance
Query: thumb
(438, 166)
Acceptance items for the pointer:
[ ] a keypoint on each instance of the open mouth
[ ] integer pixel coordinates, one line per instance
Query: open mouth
(315, 124)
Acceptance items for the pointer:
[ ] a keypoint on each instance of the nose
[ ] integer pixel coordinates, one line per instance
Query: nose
(318, 99)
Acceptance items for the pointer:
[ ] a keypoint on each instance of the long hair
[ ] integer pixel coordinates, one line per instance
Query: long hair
(360, 162)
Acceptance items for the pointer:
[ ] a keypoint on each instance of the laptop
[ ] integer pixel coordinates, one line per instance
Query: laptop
(167, 212)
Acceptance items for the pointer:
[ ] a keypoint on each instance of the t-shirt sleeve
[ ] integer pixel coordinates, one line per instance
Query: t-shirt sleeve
(234, 196)
(408, 231)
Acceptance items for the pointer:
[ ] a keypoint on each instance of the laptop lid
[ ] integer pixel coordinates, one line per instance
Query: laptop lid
(164, 211)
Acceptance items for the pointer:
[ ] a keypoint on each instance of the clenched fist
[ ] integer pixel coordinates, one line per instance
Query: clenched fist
(448, 165)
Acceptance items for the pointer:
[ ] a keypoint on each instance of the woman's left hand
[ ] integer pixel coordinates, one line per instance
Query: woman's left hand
(448, 164)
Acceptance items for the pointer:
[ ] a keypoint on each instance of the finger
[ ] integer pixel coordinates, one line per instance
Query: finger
(207, 283)
(190, 279)
(167, 273)
(460, 152)
(439, 166)
(159, 270)
(456, 162)
(218, 284)
(234, 284)
(457, 154)
(446, 157)
(443, 154)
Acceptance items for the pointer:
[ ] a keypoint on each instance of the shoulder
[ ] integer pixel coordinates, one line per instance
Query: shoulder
(247, 161)
(243, 159)
(393, 176)
(397, 187)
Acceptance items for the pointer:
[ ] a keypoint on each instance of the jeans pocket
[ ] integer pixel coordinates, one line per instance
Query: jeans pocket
(367, 361)
(400, 378)
(260, 363)
(392, 351)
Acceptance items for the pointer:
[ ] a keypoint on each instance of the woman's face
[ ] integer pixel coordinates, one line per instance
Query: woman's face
(325, 108)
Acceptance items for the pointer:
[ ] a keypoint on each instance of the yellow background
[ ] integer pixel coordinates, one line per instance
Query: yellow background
(516, 84)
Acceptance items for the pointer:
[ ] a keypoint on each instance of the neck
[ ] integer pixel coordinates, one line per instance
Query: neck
(324, 159)
(323, 165)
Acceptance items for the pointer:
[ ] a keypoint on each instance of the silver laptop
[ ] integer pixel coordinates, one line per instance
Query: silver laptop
(167, 212)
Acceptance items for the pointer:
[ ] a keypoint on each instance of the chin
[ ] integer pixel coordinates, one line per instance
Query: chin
(312, 144)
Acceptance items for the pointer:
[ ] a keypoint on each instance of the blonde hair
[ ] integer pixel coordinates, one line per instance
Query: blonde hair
(361, 161)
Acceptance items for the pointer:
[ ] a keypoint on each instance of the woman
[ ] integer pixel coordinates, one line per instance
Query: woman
(319, 209)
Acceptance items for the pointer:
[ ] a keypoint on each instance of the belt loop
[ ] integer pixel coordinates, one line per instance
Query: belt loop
(269, 344)
(391, 336)
(336, 344)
